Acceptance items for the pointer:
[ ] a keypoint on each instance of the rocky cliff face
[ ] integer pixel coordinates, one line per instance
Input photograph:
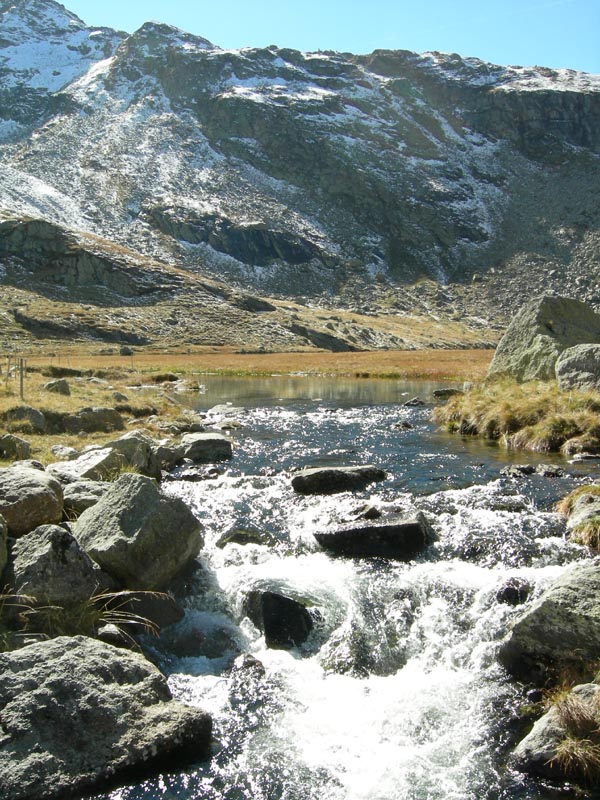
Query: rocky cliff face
(344, 178)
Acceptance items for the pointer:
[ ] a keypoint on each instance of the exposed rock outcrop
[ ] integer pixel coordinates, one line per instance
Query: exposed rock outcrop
(76, 712)
(539, 333)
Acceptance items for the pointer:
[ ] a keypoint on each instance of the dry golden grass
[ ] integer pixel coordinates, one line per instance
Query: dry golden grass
(430, 364)
(533, 416)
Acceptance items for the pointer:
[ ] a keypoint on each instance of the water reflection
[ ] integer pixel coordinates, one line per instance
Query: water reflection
(284, 389)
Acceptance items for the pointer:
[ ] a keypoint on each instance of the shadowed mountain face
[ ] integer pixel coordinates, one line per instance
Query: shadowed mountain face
(304, 175)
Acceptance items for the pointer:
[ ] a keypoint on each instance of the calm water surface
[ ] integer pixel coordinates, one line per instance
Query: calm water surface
(397, 694)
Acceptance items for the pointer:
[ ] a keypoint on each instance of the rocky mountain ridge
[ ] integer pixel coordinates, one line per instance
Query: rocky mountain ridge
(385, 185)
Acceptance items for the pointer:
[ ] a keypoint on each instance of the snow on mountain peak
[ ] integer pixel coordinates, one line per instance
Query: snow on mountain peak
(45, 46)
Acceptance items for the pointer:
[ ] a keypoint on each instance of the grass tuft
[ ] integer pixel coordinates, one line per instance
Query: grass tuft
(533, 416)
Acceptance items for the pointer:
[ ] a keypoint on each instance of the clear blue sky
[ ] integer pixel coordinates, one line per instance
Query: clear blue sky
(553, 33)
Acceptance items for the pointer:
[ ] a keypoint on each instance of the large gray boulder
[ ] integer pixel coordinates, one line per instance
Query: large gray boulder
(206, 447)
(138, 535)
(76, 712)
(572, 716)
(560, 629)
(539, 333)
(579, 367)
(49, 565)
(29, 497)
(329, 480)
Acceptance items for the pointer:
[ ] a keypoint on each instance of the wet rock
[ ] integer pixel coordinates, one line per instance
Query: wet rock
(158, 608)
(245, 536)
(81, 495)
(404, 426)
(549, 471)
(579, 367)
(329, 480)
(517, 470)
(59, 386)
(193, 474)
(559, 630)
(138, 535)
(285, 622)
(539, 333)
(29, 497)
(514, 591)
(14, 447)
(414, 402)
(206, 447)
(368, 511)
(573, 716)
(76, 711)
(401, 540)
(49, 565)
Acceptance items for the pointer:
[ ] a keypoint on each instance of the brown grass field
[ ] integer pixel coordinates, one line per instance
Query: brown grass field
(433, 364)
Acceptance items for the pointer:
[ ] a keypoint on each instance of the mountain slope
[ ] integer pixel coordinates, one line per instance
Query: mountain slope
(376, 183)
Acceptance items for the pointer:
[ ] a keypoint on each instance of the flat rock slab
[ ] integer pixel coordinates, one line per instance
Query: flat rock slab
(400, 540)
(77, 712)
(329, 480)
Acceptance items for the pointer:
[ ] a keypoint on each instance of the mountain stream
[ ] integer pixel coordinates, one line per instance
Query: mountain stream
(397, 694)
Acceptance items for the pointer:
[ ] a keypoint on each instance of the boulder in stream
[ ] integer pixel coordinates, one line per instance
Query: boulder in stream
(560, 629)
(286, 622)
(401, 539)
(206, 447)
(77, 712)
(329, 480)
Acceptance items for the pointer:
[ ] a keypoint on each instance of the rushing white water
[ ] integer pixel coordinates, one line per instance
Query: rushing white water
(397, 694)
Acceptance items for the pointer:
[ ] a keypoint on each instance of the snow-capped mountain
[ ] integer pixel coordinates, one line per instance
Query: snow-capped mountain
(303, 174)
